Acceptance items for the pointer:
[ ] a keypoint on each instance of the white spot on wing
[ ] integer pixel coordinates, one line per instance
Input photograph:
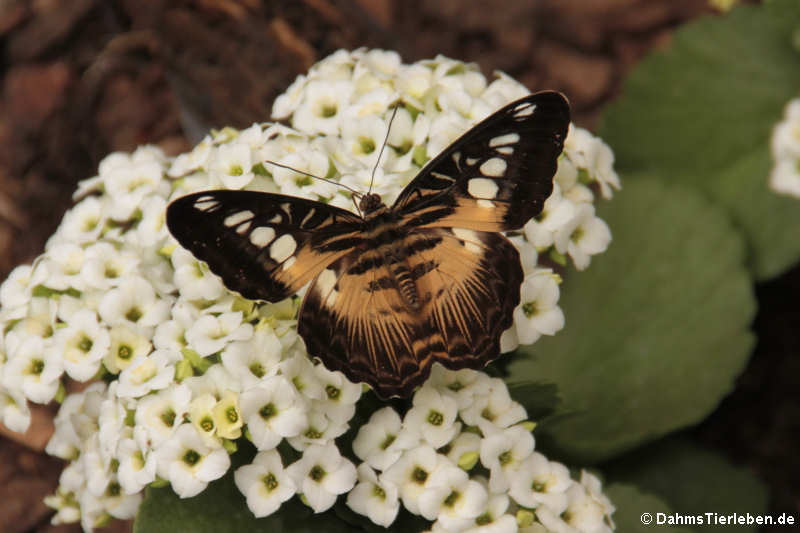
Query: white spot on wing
(482, 188)
(241, 229)
(288, 263)
(262, 236)
(283, 247)
(205, 203)
(485, 203)
(237, 218)
(505, 150)
(470, 239)
(472, 160)
(500, 140)
(325, 284)
(524, 110)
(308, 216)
(494, 167)
(277, 218)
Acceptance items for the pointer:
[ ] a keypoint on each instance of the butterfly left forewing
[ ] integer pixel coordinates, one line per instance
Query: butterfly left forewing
(263, 246)
(497, 175)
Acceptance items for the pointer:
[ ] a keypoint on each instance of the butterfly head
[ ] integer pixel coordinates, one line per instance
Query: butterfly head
(370, 203)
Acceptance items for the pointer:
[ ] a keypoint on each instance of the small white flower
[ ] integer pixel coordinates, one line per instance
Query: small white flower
(64, 263)
(452, 498)
(538, 481)
(538, 312)
(14, 411)
(134, 303)
(341, 395)
(193, 278)
(201, 415)
(126, 345)
(785, 177)
(128, 179)
(301, 372)
(191, 161)
(188, 463)
(209, 334)
(503, 452)
(252, 360)
(321, 474)
(160, 414)
(464, 450)
(232, 164)
(170, 335)
(590, 153)
(322, 106)
(273, 410)
(148, 373)
(585, 235)
(382, 440)
(318, 430)
(83, 343)
(152, 228)
(297, 180)
(264, 483)
(137, 466)
(105, 266)
(557, 213)
(287, 102)
(216, 381)
(374, 498)
(411, 473)
(84, 222)
(493, 409)
(433, 416)
(460, 384)
(493, 518)
(33, 369)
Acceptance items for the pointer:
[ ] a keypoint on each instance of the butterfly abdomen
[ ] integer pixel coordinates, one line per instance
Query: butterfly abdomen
(405, 284)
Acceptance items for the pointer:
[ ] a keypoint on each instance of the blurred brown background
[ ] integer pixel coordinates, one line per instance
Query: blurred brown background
(82, 78)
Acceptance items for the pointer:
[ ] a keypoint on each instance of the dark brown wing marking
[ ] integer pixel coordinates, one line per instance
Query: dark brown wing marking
(263, 246)
(356, 321)
(498, 175)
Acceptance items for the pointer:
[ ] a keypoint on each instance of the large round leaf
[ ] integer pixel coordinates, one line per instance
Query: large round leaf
(690, 481)
(656, 328)
(702, 112)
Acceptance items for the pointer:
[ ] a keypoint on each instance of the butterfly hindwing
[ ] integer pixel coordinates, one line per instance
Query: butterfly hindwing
(263, 246)
(356, 321)
(497, 175)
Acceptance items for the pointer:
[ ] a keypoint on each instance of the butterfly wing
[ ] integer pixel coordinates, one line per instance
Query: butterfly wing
(355, 320)
(496, 176)
(263, 246)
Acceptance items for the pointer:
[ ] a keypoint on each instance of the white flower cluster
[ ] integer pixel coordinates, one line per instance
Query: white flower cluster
(188, 368)
(458, 420)
(785, 175)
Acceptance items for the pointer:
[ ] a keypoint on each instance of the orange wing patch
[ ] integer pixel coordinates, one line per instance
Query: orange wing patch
(355, 319)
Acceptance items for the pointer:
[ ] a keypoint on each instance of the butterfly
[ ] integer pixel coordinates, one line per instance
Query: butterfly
(394, 289)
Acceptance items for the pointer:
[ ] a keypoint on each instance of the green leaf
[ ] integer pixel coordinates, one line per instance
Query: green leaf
(221, 508)
(691, 481)
(632, 504)
(656, 328)
(702, 113)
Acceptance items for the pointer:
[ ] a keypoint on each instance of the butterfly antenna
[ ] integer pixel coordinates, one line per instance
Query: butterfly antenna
(354, 193)
(383, 146)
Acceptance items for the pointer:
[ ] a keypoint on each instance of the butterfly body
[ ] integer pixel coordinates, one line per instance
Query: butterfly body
(429, 278)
